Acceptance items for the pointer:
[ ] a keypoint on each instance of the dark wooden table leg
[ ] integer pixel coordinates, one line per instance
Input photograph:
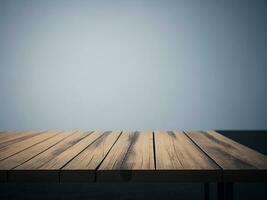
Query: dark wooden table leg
(207, 191)
(229, 191)
(220, 191)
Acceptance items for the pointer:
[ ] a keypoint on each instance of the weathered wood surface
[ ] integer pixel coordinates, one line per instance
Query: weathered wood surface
(161, 156)
(46, 166)
(13, 137)
(82, 167)
(239, 163)
(130, 159)
(11, 149)
(27, 154)
(179, 159)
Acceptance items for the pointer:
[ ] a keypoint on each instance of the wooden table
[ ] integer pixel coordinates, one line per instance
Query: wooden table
(146, 156)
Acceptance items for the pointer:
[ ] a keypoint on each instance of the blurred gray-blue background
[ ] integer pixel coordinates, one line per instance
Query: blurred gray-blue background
(133, 64)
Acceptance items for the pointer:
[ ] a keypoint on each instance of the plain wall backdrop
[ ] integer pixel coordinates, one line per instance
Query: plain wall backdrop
(134, 65)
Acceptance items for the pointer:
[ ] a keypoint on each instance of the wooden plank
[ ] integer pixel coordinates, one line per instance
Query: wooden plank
(5, 133)
(11, 138)
(23, 156)
(130, 159)
(82, 167)
(10, 134)
(7, 136)
(178, 159)
(60, 160)
(239, 163)
(12, 149)
(45, 166)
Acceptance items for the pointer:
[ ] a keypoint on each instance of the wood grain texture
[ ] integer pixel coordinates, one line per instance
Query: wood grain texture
(46, 166)
(162, 156)
(23, 156)
(239, 163)
(60, 160)
(13, 137)
(5, 133)
(12, 149)
(82, 167)
(179, 159)
(130, 159)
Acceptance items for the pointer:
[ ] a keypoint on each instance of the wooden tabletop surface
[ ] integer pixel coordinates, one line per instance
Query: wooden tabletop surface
(145, 156)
